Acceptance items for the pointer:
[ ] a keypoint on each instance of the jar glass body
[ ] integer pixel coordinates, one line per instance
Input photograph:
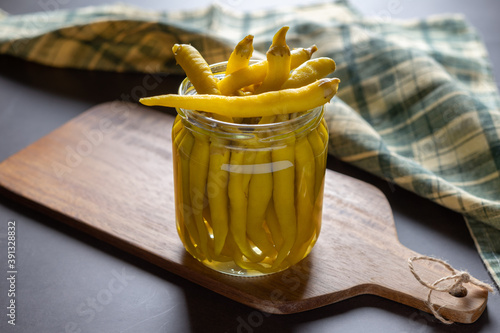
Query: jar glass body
(248, 197)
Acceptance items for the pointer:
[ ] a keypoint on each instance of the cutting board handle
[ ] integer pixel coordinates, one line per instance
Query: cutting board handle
(399, 284)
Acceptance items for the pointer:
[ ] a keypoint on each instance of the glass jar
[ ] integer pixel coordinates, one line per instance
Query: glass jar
(248, 196)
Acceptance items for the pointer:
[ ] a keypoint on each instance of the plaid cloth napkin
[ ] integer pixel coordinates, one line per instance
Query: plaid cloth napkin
(417, 104)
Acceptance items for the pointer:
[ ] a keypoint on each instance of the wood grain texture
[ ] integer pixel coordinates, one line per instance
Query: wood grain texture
(108, 172)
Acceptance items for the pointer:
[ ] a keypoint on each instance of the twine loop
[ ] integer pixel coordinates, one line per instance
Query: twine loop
(456, 289)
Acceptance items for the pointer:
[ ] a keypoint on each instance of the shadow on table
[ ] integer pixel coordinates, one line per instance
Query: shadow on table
(89, 86)
(351, 315)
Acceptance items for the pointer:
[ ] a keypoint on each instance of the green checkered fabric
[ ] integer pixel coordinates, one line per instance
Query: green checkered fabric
(417, 103)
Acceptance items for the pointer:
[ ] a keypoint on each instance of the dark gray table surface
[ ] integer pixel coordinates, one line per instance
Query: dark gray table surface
(69, 282)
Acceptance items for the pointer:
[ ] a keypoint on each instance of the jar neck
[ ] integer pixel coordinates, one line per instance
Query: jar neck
(298, 126)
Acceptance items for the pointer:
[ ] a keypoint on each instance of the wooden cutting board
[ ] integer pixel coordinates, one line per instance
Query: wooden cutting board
(108, 172)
